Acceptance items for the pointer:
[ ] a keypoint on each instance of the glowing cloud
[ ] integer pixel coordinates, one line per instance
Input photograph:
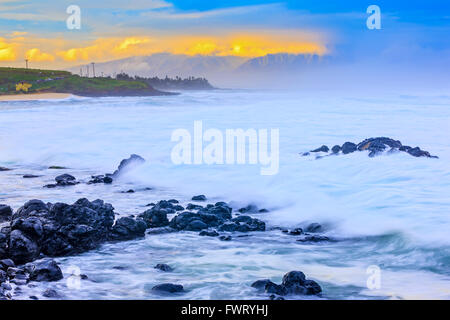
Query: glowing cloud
(36, 55)
(244, 45)
(7, 51)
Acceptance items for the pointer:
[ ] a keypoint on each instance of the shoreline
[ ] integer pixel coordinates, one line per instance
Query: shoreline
(35, 96)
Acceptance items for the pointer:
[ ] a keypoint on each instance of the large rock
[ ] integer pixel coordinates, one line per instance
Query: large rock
(348, 147)
(127, 228)
(293, 282)
(46, 271)
(157, 216)
(5, 213)
(127, 164)
(22, 248)
(63, 180)
(58, 229)
(183, 221)
(243, 224)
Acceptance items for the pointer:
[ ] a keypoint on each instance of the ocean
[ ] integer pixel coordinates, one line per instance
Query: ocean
(390, 211)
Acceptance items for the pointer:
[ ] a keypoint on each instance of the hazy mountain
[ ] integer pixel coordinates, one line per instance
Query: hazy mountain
(226, 71)
(162, 64)
(281, 62)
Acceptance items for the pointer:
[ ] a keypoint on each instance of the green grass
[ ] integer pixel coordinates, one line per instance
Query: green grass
(65, 82)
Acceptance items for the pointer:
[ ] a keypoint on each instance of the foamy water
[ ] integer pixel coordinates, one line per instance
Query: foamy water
(390, 211)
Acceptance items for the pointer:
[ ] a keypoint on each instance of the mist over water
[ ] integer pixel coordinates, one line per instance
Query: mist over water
(390, 210)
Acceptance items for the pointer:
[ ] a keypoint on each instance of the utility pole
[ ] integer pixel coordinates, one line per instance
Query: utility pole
(93, 68)
(26, 63)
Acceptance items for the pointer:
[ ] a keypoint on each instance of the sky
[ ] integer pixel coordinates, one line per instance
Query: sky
(412, 32)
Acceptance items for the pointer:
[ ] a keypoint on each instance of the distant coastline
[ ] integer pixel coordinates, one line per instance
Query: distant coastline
(32, 84)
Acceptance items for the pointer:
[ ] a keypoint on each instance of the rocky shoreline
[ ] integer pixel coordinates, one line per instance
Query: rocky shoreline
(37, 232)
(375, 146)
(42, 231)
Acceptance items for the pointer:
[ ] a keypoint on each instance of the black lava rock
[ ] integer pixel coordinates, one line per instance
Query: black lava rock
(314, 227)
(296, 232)
(260, 284)
(127, 228)
(192, 206)
(184, 219)
(58, 229)
(46, 271)
(63, 180)
(5, 213)
(336, 149)
(127, 164)
(314, 238)
(106, 179)
(6, 263)
(168, 288)
(348, 147)
(156, 216)
(30, 176)
(51, 294)
(206, 233)
(251, 208)
(243, 224)
(164, 267)
(293, 282)
(199, 198)
(323, 148)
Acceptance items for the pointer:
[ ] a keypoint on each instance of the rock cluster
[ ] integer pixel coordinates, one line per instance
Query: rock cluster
(375, 146)
(45, 270)
(63, 180)
(293, 283)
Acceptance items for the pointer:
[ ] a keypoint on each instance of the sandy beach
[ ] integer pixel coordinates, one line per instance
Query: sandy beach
(34, 96)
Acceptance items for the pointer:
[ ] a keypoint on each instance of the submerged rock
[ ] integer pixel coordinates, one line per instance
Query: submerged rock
(168, 288)
(314, 238)
(51, 294)
(30, 176)
(314, 227)
(212, 233)
(164, 267)
(251, 208)
(5, 169)
(199, 198)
